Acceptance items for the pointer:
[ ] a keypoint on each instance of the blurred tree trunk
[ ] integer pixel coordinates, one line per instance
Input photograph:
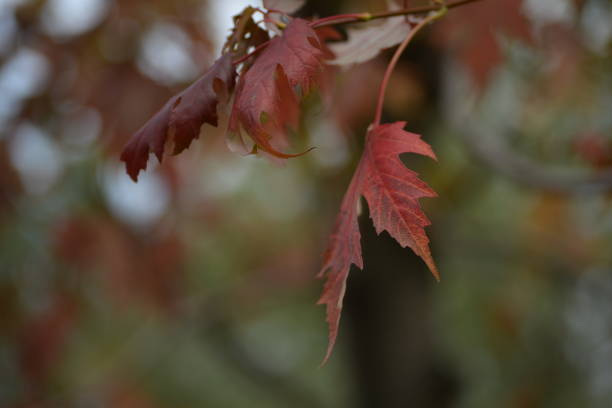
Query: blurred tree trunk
(388, 319)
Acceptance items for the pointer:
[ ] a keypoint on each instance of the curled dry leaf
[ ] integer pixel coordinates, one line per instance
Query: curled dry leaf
(366, 43)
(392, 192)
(180, 119)
(245, 35)
(267, 96)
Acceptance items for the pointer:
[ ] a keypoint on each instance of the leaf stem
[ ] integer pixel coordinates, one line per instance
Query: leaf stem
(395, 59)
(249, 55)
(361, 17)
(340, 19)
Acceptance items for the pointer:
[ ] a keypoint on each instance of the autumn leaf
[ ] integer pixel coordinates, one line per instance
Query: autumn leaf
(366, 43)
(392, 192)
(326, 34)
(267, 96)
(44, 337)
(180, 119)
(245, 35)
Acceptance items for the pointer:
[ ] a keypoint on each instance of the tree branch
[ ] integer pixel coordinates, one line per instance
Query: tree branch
(364, 17)
(500, 157)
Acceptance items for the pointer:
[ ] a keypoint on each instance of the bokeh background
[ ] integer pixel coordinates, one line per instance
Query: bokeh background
(195, 287)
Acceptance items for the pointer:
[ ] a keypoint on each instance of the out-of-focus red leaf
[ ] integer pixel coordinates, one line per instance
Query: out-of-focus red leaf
(595, 148)
(9, 180)
(148, 271)
(44, 336)
(471, 32)
(327, 81)
(267, 101)
(392, 192)
(355, 95)
(180, 120)
(128, 395)
(327, 33)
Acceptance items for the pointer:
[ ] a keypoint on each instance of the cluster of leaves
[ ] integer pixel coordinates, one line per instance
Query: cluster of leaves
(258, 83)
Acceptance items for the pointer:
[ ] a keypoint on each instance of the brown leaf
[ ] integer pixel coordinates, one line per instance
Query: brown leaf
(245, 34)
(392, 192)
(181, 118)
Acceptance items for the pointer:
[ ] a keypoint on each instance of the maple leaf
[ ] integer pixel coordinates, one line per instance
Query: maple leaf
(245, 34)
(392, 192)
(181, 118)
(366, 43)
(267, 96)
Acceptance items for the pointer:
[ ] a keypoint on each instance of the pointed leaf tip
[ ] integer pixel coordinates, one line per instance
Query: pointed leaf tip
(392, 192)
(180, 119)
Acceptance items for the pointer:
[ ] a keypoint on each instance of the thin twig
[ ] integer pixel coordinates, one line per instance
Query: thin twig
(359, 17)
(249, 55)
(363, 17)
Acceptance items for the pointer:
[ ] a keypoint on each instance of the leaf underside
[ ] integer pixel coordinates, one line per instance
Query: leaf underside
(392, 192)
(366, 43)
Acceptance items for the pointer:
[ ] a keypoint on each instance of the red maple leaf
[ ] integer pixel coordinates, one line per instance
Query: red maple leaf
(392, 192)
(181, 118)
(267, 96)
